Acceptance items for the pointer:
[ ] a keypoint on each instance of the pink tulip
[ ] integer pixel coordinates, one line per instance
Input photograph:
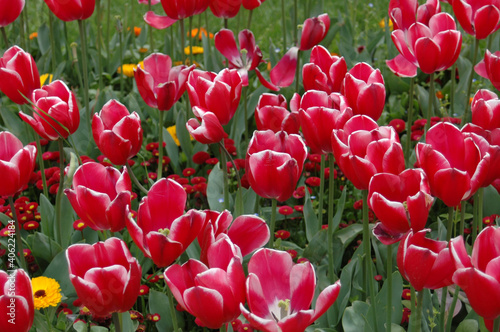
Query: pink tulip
(314, 30)
(404, 13)
(280, 293)
(10, 11)
(18, 75)
(105, 275)
(325, 72)
(209, 131)
(70, 10)
(271, 113)
(101, 196)
(225, 8)
(55, 112)
(485, 108)
(283, 74)
(16, 301)
(478, 18)
(489, 68)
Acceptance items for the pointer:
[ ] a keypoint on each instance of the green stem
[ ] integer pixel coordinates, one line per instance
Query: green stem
(443, 308)
(26, 26)
(417, 321)
(331, 196)
(120, 37)
(60, 192)
(249, 22)
(321, 191)
(469, 83)
(367, 252)
(223, 167)
(462, 218)
(295, 20)
(99, 42)
(283, 23)
(496, 324)
(274, 205)
(21, 31)
(183, 40)
(297, 72)
(475, 219)
(18, 234)
(452, 89)
(431, 103)
(223, 328)
(413, 300)
(172, 310)
(480, 196)
(409, 121)
(4, 36)
(452, 309)
(134, 179)
(47, 318)
(160, 145)
(389, 289)
(52, 42)
(191, 39)
(150, 30)
(83, 39)
(450, 223)
(41, 165)
(117, 321)
(245, 107)
(108, 24)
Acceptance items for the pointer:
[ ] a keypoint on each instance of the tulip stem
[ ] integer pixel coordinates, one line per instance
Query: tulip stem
(83, 39)
(4, 36)
(321, 191)
(99, 42)
(134, 179)
(18, 235)
(160, 145)
(41, 165)
(223, 167)
(442, 312)
(183, 40)
(409, 121)
(274, 205)
(462, 218)
(496, 324)
(172, 310)
(223, 328)
(238, 178)
(450, 223)
(469, 83)
(249, 19)
(283, 23)
(417, 321)
(107, 33)
(367, 253)
(52, 42)
(452, 309)
(150, 29)
(295, 20)
(59, 192)
(297, 72)
(117, 320)
(431, 103)
(191, 40)
(331, 196)
(480, 195)
(389, 289)
(245, 107)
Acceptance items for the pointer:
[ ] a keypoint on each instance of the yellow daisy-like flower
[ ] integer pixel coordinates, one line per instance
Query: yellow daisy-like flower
(46, 292)
(196, 50)
(128, 69)
(381, 24)
(44, 77)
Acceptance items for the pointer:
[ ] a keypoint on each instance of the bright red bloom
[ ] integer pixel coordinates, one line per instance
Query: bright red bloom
(490, 68)
(251, 4)
(280, 293)
(478, 18)
(325, 72)
(485, 108)
(10, 11)
(54, 102)
(101, 196)
(179, 9)
(209, 131)
(17, 163)
(401, 202)
(106, 276)
(116, 132)
(70, 10)
(451, 162)
(161, 85)
(16, 301)
(213, 294)
(404, 13)
(244, 59)
(363, 149)
(162, 230)
(225, 8)
(274, 163)
(478, 274)
(271, 113)
(398, 124)
(424, 262)
(314, 30)
(18, 74)
(283, 74)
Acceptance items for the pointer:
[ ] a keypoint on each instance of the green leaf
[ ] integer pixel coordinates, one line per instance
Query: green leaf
(468, 325)
(381, 301)
(80, 326)
(43, 38)
(96, 328)
(183, 135)
(310, 218)
(127, 323)
(317, 249)
(43, 246)
(47, 216)
(354, 319)
(172, 150)
(348, 234)
(15, 125)
(215, 189)
(159, 304)
(68, 217)
(491, 201)
(340, 210)
(58, 269)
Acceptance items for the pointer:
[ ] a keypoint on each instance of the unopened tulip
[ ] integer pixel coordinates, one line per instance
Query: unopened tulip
(16, 301)
(325, 72)
(225, 8)
(314, 30)
(490, 68)
(70, 10)
(251, 4)
(10, 11)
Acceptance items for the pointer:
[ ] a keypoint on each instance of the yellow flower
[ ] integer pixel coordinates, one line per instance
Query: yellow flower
(196, 50)
(128, 69)
(143, 50)
(33, 35)
(43, 78)
(46, 292)
(172, 130)
(381, 24)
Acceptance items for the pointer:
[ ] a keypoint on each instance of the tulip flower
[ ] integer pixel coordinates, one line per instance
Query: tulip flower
(478, 18)
(106, 276)
(401, 202)
(175, 10)
(209, 131)
(283, 74)
(251, 4)
(247, 58)
(161, 85)
(225, 8)
(431, 47)
(451, 162)
(274, 163)
(116, 132)
(314, 30)
(17, 163)
(280, 293)
(10, 11)
(404, 13)
(213, 295)
(485, 108)
(271, 113)
(363, 149)
(16, 301)
(489, 68)
(424, 262)
(162, 230)
(70, 10)
(477, 275)
(325, 72)
(18, 74)
(55, 112)
(364, 90)
(101, 196)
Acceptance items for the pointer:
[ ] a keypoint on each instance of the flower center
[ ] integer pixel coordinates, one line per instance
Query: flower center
(40, 293)
(164, 231)
(281, 310)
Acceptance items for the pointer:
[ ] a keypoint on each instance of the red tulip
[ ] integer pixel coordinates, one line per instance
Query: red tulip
(251, 4)
(55, 112)
(10, 11)
(18, 74)
(404, 13)
(217, 93)
(274, 163)
(17, 163)
(161, 85)
(70, 10)
(490, 68)
(16, 301)
(101, 196)
(225, 8)
(247, 58)
(485, 108)
(212, 294)
(325, 72)
(283, 74)
(116, 132)
(478, 18)
(271, 113)
(424, 262)
(106, 277)
(363, 149)
(477, 275)
(162, 230)
(209, 131)
(364, 90)
(431, 47)
(401, 202)
(280, 293)
(450, 161)
(180, 9)
(314, 30)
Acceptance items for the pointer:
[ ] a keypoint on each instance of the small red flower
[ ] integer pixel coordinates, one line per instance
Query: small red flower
(282, 234)
(313, 181)
(285, 210)
(31, 225)
(144, 290)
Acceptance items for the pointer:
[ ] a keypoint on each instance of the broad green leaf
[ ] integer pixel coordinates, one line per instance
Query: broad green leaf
(58, 269)
(355, 317)
(215, 189)
(172, 151)
(468, 325)
(43, 246)
(183, 135)
(127, 323)
(47, 216)
(310, 218)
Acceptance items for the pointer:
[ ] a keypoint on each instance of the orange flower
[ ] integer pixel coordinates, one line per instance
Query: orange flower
(200, 32)
(33, 35)
(137, 31)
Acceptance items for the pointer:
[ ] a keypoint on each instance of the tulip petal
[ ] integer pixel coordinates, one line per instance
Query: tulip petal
(283, 73)
(157, 21)
(244, 225)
